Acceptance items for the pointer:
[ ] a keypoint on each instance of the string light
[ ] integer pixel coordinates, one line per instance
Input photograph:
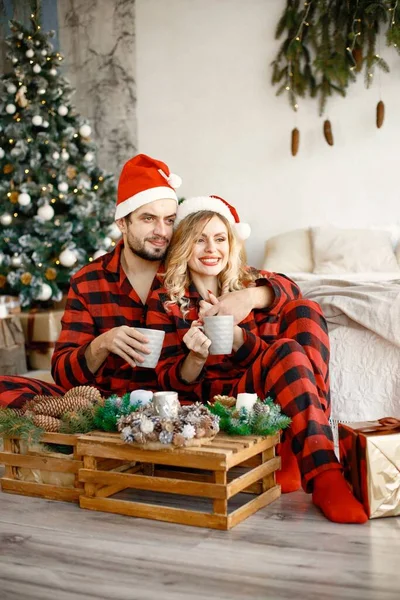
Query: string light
(112, 243)
(26, 171)
(57, 262)
(15, 214)
(53, 200)
(90, 258)
(95, 187)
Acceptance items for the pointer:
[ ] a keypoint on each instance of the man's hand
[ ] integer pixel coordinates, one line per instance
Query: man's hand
(197, 342)
(239, 304)
(125, 342)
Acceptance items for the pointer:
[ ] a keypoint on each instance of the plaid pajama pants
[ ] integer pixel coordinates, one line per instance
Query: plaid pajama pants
(15, 391)
(294, 370)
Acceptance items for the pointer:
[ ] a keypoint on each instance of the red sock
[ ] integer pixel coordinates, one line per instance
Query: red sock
(333, 496)
(288, 477)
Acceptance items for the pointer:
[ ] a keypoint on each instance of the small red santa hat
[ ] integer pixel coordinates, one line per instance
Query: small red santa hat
(218, 205)
(143, 180)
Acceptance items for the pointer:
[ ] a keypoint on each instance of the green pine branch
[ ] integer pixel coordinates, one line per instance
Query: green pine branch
(316, 57)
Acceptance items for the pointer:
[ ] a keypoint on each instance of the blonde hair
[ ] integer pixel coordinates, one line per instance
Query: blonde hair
(235, 275)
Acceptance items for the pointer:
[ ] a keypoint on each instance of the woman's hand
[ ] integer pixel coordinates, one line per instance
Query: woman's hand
(197, 342)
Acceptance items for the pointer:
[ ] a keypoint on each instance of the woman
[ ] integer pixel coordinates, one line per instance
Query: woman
(282, 351)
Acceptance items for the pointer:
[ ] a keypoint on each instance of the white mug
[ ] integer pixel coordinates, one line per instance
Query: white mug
(219, 329)
(155, 344)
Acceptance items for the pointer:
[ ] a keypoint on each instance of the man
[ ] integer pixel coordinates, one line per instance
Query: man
(99, 344)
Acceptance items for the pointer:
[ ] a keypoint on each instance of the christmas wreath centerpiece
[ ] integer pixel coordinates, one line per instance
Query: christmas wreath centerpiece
(193, 425)
(248, 415)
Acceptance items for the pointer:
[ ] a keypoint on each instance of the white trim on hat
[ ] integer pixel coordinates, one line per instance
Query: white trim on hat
(193, 205)
(130, 204)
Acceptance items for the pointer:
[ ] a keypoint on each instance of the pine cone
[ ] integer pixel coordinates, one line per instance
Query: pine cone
(29, 407)
(56, 407)
(227, 401)
(380, 114)
(85, 391)
(295, 141)
(49, 424)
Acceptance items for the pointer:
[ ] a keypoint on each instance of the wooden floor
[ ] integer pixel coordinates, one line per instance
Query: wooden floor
(54, 550)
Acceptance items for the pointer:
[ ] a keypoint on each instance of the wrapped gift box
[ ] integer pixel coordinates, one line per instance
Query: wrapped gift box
(370, 455)
(41, 330)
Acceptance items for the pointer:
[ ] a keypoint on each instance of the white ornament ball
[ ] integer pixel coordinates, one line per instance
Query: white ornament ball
(114, 232)
(11, 88)
(56, 155)
(41, 91)
(37, 120)
(45, 292)
(85, 130)
(24, 199)
(106, 242)
(20, 36)
(45, 212)
(45, 124)
(89, 156)
(142, 396)
(16, 260)
(53, 72)
(64, 155)
(67, 258)
(5, 219)
(37, 68)
(10, 109)
(44, 52)
(63, 186)
(37, 43)
(62, 110)
(2, 153)
(14, 60)
(30, 53)
(99, 253)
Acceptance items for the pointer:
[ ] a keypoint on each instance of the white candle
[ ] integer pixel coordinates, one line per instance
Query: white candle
(3, 311)
(246, 401)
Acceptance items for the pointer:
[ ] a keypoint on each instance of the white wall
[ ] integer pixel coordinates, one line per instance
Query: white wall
(207, 108)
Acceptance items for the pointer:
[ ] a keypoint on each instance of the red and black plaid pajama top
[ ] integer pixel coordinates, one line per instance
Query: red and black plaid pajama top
(100, 298)
(285, 355)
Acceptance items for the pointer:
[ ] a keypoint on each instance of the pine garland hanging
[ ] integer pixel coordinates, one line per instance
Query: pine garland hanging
(328, 42)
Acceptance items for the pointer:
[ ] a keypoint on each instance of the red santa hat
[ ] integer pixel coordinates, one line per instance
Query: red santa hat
(143, 180)
(215, 204)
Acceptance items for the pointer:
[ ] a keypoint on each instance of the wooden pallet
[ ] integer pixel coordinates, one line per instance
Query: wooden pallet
(40, 464)
(218, 471)
(36, 471)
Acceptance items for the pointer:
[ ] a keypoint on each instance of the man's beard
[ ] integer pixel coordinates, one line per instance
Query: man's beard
(138, 248)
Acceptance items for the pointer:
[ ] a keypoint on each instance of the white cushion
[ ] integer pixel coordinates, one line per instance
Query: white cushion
(352, 250)
(289, 252)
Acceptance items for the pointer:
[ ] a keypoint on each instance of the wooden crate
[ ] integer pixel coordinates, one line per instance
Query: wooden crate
(36, 471)
(59, 471)
(218, 471)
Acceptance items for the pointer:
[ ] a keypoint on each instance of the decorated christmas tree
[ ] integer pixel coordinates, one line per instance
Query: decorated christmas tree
(56, 204)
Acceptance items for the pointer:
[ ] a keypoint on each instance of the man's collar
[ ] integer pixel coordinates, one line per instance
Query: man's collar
(112, 260)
